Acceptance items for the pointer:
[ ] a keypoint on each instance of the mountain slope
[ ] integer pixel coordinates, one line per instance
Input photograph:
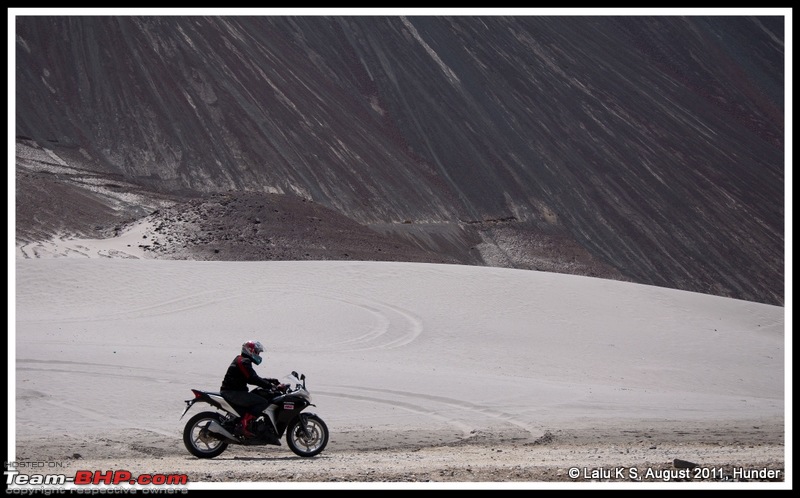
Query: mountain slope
(651, 146)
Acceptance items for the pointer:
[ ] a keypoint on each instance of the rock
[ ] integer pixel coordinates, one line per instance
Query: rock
(683, 464)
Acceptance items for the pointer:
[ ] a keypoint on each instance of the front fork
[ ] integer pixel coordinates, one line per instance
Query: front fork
(303, 421)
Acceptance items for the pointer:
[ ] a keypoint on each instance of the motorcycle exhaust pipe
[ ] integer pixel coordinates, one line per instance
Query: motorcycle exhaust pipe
(214, 427)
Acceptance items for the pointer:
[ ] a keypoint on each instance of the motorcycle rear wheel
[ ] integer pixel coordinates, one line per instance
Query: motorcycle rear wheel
(197, 438)
(311, 445)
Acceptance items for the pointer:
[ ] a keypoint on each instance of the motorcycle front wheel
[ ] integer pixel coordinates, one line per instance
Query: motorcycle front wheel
(199, 440)
(310, 442)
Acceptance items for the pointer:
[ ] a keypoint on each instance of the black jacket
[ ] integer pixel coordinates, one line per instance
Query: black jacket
(240, 373)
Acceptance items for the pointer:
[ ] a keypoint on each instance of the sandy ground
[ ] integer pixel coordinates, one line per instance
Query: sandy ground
(426, 375)
(725, 454)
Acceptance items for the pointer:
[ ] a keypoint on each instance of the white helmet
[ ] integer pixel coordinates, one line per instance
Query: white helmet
(253, 349)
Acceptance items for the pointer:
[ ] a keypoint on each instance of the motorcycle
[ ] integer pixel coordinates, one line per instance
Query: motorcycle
(208, 434)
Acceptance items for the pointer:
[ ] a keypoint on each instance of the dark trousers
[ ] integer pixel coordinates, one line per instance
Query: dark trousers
(248, 401)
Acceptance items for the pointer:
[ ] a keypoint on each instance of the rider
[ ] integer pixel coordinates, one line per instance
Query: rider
(234, 385)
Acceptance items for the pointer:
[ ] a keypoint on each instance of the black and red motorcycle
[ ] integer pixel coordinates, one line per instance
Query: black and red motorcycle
(208, 434)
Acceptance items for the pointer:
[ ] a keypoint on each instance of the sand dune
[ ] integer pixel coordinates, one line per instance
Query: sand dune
(397, 355)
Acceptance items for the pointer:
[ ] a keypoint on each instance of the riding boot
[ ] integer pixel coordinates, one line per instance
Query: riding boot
(242, 427)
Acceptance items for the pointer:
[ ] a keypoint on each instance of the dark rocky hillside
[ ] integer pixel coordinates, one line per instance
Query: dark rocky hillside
(648, 149)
